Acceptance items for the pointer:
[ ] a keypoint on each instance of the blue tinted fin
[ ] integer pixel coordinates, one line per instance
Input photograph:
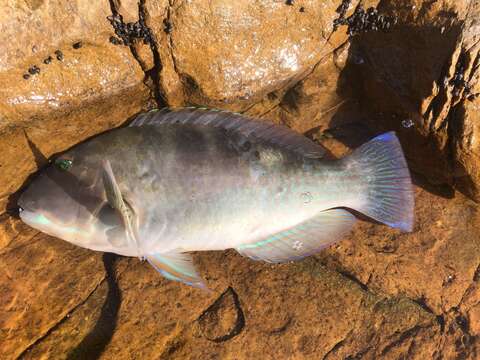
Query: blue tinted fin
(389, 193)
(176, 266)
(304, 239)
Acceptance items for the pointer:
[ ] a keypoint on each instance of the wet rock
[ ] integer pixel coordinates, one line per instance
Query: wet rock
(329, 315)
(436, 263)
(49, 25)
(237, 53)
(29, 309)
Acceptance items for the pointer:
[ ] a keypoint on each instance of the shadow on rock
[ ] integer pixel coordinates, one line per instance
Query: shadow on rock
(40, 162)
(93, 345)
(389, 76)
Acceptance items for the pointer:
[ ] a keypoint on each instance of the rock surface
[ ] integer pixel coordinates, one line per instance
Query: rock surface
(319, 67)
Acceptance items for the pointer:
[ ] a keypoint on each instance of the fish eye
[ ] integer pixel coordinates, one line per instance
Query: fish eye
(63, 164)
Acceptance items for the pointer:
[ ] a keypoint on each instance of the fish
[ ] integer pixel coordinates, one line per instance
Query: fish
(181, 180)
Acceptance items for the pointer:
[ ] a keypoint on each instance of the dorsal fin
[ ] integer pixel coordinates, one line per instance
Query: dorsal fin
(267, 132)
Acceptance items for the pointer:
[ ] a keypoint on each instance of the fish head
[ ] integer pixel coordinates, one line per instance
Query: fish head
(67, 200)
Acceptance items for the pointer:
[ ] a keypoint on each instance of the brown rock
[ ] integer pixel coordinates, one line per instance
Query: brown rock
(14, 231)
(237, 53)
(41, 283)
(223, 319)
(51, 26)
(329, 316)
(434, 265)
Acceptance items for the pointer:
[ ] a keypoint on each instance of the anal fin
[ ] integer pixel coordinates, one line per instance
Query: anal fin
(176, 266)
(304, 239)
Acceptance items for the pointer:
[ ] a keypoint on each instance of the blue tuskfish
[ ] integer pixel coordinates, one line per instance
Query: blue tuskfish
(176, 181)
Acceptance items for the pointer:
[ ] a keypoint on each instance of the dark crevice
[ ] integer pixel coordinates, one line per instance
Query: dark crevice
(440, 319)
(455, 119)
(353, 278)
(436, 104)
(362, 20)
(403, 337)
(240, 317)
(154, 73)
(337, 346)
(333, 349)
(475, 66)
(95, 342)
(60, 322)
(441, 322)
(421, 302)
(462, 322)
(360, 354)
(169, 37)
(461, 87)
(466, 340)
(131, 34)
(476, 275)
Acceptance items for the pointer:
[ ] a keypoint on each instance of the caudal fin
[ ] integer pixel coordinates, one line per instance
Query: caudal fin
(389, 193)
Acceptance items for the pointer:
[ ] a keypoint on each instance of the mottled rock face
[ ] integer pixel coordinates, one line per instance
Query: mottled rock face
(339, 71)
(227, 52)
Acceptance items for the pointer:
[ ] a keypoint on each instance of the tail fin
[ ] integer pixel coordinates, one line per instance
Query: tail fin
(389, 193)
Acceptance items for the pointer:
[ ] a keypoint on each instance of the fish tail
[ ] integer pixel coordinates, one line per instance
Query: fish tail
(388, 196)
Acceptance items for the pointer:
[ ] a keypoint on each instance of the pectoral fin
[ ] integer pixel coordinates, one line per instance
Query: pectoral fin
(114, 195)
(302, 240)
(176, 266)
(116, 201)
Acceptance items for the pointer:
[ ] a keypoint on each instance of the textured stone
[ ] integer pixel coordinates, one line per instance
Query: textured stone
(300, 309)
(236, 53)
(51, 25)
(41, 282)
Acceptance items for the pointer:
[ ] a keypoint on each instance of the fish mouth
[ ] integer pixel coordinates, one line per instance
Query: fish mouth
(38, 221)
(27, 216)
(23, 205)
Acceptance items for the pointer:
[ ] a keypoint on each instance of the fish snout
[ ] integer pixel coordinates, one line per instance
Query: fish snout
(27, 204)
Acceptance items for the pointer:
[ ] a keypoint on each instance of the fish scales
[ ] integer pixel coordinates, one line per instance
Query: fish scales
(193, 180)
(208, 181)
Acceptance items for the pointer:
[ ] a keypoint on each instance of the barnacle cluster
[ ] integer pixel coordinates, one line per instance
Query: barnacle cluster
(129, 32)
(458, 80)
(362, 20)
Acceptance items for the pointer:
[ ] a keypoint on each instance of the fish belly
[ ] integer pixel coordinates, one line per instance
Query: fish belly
(242, 212)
